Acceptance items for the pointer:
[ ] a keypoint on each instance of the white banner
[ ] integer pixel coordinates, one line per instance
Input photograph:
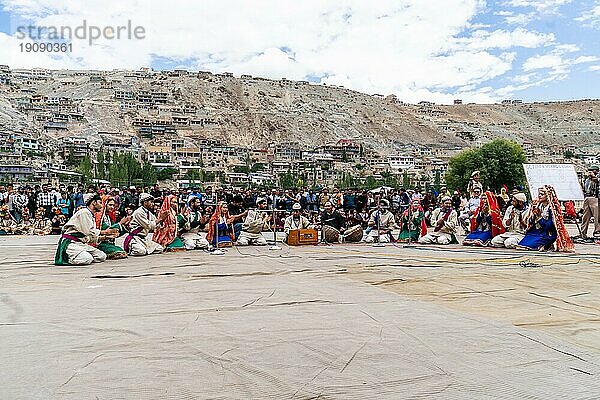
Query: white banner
(562, 177)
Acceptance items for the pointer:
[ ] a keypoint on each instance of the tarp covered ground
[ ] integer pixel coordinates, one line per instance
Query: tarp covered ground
(302, 323)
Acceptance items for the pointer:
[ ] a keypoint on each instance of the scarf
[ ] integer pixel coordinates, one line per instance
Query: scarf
(563, 240)
(165, 233)
(99, 215)
(494, 210)
(214, 219)
(423, 223)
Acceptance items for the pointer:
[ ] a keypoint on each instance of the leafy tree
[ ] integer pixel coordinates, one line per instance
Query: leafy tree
(257, 167)
(71, 161)
(287, 181)
(100, 165)
(243, 169)
(437, 181)
(499, 161)
(346, 182)
(405, 180)
(86, 169)
(193, 175)
(569, 154)
(370, 182)
(166, 174)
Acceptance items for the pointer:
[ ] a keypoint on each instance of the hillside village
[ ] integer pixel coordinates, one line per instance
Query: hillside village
(250, 130)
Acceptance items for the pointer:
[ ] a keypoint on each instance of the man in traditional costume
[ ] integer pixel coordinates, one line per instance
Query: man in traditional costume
(107, 219)
(546, 225)
(143, 221)
(80, 236)
(381, 222)
(486, 222)
(333, 223)
(167, 231)
(192, 222)
(295, 221)
(256, 221)
(412, 223)
(515, 223)
(445, 224)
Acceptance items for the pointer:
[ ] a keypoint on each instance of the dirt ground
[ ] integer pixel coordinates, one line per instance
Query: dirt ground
(324, 322)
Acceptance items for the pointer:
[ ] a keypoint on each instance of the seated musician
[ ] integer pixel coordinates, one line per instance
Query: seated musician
(332, 217)
(382, 221)
(295, 221)
(445, 224)
(255, 222)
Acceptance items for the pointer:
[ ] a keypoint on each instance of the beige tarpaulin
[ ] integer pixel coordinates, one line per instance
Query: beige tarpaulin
(303, 323)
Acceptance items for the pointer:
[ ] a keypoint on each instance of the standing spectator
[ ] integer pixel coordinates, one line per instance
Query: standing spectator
(19, 204)
(3, 195)
(78, 197)
(46, 200)
(64, 204)
(590, 203)
(349, 200)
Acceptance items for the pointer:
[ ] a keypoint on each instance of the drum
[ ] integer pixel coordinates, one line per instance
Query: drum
(331, 234)
(354, 234)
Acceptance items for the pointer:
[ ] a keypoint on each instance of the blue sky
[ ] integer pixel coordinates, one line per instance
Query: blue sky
(477, 50)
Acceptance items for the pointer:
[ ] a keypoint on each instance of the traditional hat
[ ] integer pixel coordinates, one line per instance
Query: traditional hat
(145, 197)
(260, 200)
(296, 206)
(446, 198)
(520, 197)
(474, 173)
(384, 203)
(89, 197)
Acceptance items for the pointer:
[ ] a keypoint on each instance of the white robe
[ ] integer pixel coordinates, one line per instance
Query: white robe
(140, 244)
(81, 253)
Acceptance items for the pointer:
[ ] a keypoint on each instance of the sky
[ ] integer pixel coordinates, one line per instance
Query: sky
(436, 50)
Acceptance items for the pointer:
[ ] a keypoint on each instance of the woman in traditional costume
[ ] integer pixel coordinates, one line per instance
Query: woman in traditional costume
(412, 223)
(486, 222)
(220, 227)
(107, 219)
(546, 224)
(166, 233)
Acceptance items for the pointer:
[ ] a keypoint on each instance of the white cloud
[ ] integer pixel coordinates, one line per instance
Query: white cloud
(502, 39)
(594, 68)
(546, 6)
(591, 18)
(416, 49)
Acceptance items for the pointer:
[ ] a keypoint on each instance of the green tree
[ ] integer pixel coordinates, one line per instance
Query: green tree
(370, 182)
(71, 161)
(405, 180)
(86, 169)
(166, 174)
(100, 165)
(437, 181)
(499, 161)
(569, 154)
(287, 181)
(257, 167)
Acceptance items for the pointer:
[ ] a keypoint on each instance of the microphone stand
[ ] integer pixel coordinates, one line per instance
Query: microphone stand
(378, 244)
(217, 251)
(274, 246)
